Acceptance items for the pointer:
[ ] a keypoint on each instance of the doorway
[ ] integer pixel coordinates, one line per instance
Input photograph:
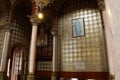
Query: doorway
(18, 65)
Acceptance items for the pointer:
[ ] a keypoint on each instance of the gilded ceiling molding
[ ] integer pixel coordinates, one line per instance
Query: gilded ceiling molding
(101, 4)
(44, 3)
(41, 3)
(38, 5)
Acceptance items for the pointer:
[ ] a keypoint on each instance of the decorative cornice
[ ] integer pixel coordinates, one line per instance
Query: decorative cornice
(101, 4)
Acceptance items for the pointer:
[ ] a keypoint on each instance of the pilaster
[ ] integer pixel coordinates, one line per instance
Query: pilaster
(55, 55)
(101, 4)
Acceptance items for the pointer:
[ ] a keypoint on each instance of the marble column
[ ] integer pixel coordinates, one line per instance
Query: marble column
(101, 4)
(109, 49)
(113, 17)
(32, 55)
(3, 67)
(54, 58)
(112, 13)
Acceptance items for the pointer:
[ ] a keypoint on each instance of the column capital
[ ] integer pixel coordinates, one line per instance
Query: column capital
(34, 19)
(101, 4)
(7, 27)
(54, 31)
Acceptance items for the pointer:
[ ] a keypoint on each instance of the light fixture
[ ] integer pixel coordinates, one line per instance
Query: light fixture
(40, 15)
(41, 5)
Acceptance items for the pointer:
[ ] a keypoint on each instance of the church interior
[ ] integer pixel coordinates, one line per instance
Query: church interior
(59, 40)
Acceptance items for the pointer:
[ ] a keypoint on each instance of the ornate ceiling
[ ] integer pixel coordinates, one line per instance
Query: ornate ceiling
(25, 6)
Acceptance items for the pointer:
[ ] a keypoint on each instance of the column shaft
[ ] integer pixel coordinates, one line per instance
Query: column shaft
(32, 56)
(54, 58)
(54, 53)
(110, 57)
(5, 50)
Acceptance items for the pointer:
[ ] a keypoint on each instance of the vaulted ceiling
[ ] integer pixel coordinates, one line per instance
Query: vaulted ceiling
(25, 6)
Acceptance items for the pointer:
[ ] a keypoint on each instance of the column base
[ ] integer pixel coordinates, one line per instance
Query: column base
(31, 77)
(54, 76)
(3, 76)
(111, 77)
